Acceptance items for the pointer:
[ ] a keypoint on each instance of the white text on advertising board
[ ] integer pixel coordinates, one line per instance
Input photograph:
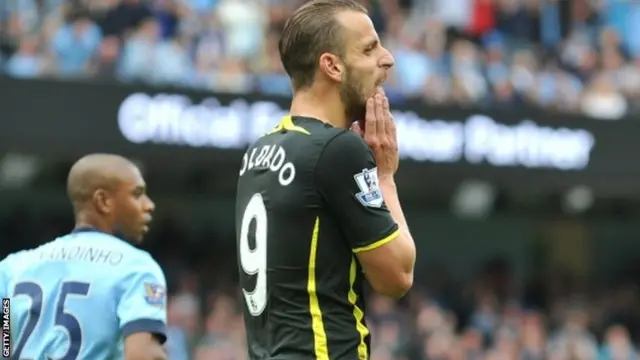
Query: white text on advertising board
(176, 120)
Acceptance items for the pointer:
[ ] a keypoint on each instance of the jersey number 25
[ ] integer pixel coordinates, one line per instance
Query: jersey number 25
(254, 261)
(63, 319)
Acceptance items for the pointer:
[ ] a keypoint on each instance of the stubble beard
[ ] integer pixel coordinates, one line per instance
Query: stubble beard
(352, 97)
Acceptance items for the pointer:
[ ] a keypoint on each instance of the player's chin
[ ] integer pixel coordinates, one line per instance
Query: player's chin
(378, 87)
(138, 239)
(141, 234)
(371, 93)
(367, 95)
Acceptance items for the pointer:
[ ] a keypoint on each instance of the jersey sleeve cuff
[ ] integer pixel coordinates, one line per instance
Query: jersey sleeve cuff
(153, 326)
(378, 243)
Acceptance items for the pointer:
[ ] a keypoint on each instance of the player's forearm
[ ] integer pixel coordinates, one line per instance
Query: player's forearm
(153, 354)
(390, 194)
(143, 346)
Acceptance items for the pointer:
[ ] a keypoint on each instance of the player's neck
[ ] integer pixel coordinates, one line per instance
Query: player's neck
(325, 107)
(85, 221)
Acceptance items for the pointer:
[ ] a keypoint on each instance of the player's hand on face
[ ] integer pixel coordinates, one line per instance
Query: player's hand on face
(380, 134)
(355, 127)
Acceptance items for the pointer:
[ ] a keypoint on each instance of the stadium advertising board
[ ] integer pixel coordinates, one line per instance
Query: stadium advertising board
(177, 129)
(175, 120)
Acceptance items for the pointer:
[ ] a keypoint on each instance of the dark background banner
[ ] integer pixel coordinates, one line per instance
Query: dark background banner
(176, 131)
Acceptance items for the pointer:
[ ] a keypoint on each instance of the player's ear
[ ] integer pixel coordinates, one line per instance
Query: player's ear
(103, 202)
(332, 67)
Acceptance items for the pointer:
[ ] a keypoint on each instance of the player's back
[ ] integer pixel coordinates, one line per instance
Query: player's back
(66, 296)
(295, 264)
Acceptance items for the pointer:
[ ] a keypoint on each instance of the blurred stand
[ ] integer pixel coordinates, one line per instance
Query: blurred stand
(498, 275)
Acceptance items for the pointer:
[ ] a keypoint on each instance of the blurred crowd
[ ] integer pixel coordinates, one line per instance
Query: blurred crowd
(480, 320)
(489, 316)
(573, 56)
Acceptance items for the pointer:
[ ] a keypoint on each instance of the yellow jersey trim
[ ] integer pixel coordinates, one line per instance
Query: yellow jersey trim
(378, 243)
(358, 314)
(286, 123)
(319, 335)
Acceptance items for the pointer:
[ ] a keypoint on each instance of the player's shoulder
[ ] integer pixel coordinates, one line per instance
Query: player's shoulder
(132, 256)
(147, 260)
(343, 142)
(19, 260)
(346, 138)
(136, 257)
(140, 260)
(13, 259)
(327, 136)
(99, 239)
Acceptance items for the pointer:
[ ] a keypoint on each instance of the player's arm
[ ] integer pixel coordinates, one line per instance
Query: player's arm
(142, 311)
(143, 346)
(376, 230)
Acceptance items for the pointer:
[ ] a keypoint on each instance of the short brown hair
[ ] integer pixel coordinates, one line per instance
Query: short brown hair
(309, 32)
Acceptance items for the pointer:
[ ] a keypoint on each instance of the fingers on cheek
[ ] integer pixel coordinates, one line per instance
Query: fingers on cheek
(369, 105)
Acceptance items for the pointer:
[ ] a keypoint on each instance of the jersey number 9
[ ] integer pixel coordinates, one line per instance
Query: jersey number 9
(254, 261)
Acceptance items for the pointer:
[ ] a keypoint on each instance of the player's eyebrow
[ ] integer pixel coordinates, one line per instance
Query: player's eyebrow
(371, 44)
(140, 189)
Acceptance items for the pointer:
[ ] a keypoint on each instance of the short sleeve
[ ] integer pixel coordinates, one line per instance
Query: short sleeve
(348, 183)
(142, 305)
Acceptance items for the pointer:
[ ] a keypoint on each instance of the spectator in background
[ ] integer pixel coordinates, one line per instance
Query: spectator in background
(568, 56)
(177, 344)
(485, 317)
(232, 76)
(125, 17)
(271, 78)
(617, 345)
(454, 14)
(413, 66)
(187, 305)
(175, 66)
(168, 13)
(483, 19)
(200, 7)
(438, 346)
(573, 339)
(601, 100)
(223, 338)
(105, 64)
(520, 19)
(469, 83)
(139, 52)
(27, 62)
(244, 23)
(471, 344)
(497, 71)
(210, 49)
(19, 17)
(506, 344)
(74, 44)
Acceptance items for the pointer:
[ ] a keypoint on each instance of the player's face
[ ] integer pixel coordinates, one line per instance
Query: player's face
(367, 62)
(134, 207)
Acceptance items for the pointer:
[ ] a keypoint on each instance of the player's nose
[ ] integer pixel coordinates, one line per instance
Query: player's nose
(387, 60)
(150, 206)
